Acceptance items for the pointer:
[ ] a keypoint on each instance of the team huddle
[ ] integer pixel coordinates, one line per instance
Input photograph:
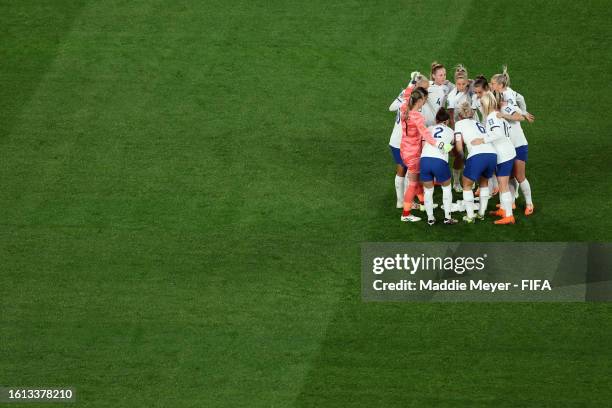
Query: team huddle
(479, 124)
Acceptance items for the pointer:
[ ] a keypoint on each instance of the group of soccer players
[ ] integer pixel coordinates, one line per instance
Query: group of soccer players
(477, 122)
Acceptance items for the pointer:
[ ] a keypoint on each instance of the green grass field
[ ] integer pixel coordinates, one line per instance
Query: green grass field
(185, 186)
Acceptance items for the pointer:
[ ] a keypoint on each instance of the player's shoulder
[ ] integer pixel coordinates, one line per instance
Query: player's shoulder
(460, 124)
(446, 128)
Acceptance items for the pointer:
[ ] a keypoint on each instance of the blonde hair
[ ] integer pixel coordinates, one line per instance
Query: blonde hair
(435, 66)
(461, 72)
(503, 79)
(421, 78)
(489, 103)
(465, 111)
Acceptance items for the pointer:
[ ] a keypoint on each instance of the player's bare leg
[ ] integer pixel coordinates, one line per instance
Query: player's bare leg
(457, 169)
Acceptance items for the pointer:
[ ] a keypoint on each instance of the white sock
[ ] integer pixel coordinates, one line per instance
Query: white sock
(399, 188)
(512, 191)
(484, 200)
(526, 189)
(515, 185)
(506, 202)
(447, 200)
(456, 177)
(429, 202)
(468, 198)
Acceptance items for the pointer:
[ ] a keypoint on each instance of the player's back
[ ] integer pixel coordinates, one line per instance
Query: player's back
(442, 134)
(469, 130)
(503, 145)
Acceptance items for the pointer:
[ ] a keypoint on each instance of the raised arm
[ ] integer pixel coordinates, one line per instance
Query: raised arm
(397, 103)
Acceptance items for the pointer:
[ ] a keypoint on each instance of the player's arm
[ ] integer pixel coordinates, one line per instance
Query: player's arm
(424, 133)
(494, 132)
(396, 104)
(522, 105)
(427, 136)
(411, 85)
(510, 113)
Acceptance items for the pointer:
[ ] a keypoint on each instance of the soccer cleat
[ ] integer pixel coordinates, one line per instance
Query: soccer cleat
(480, 217)
(500, 212)
(513, 206)
(529, 210)
(505, 220)
(410, 218)
(431, 221)
(450, 221)
(468, 220)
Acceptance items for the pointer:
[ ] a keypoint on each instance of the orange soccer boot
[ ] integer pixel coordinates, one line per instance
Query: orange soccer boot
(505, 220)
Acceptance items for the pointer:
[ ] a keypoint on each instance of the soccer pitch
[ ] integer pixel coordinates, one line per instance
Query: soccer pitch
(185, 186)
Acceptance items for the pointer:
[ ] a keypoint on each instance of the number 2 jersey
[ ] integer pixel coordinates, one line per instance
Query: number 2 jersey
(441, 134)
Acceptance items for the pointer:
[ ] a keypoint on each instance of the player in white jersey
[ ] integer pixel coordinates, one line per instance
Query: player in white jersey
(434, 167)
(460, 94)
(515, 113)
(401, 182)
(498, 133)
(439, 88)
(480, 162)
(480, 86)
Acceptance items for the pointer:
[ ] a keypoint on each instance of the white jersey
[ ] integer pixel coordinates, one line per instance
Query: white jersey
(477, 107)
(470, 129)
(435, 99)
(498, 133)
(396, 135)
(455, 99)
(442, 134)
(517, 136)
